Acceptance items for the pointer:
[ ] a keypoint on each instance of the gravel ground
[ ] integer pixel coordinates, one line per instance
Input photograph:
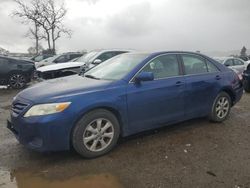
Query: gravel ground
(195, 153)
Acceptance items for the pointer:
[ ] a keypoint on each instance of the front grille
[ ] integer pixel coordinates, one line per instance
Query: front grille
(18, 107)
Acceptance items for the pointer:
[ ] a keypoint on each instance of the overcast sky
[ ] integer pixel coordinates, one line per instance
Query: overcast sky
(148, 25)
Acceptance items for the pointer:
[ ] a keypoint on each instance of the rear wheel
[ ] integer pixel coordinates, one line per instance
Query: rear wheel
(96, 133)
(221, 107)
(17, 80)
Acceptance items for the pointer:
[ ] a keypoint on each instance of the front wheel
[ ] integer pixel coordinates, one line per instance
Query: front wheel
(17, 81)
(221, 107)
(96, 133)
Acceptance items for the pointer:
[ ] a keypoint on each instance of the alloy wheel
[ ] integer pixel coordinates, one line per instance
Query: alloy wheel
(17, 81)
(98, 135)
(222, 107)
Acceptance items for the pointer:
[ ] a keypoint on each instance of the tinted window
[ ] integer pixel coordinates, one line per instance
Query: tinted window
(229, 62)
(194, 64)
(163, 66)
(238, 62)
(211, 67)
(73, 56)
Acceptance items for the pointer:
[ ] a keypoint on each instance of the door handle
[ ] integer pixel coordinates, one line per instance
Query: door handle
(218, 77)
(179, 83)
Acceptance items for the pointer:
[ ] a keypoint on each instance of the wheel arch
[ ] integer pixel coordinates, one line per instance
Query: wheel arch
(230, 93)
(111, 109)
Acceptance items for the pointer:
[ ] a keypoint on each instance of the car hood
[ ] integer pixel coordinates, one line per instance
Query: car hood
(60, 66)
(61, 87)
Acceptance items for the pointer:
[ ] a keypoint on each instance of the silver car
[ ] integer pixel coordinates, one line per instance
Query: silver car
(233, 63)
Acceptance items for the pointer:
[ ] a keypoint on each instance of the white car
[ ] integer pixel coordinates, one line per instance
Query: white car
(57, 59)
(233, 63)
(82, 64)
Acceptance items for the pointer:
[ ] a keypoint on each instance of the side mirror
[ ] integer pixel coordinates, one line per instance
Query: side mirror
(97, 61)
(144, 76)
(227, 65)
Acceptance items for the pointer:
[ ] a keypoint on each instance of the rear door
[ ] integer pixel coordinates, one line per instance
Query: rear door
(203, 80)
(152, 103)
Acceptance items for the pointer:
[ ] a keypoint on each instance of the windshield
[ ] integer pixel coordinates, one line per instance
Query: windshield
(85, 58)
(116, 68)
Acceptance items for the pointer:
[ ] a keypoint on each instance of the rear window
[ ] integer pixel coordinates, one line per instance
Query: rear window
(194, 64)
(211, 67)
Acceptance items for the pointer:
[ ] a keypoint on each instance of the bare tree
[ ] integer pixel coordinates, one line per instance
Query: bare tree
(53, 21)
(33, 50)
(29, 15)
(35, 33)
(47, 15)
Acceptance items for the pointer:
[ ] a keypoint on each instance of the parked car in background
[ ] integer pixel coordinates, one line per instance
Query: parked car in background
(61, 58)
(233, 63)
(15, 72)
(127, 94)
(246, 79)
(41, 57)
(244, 58)
(80, 64)
(240, 74)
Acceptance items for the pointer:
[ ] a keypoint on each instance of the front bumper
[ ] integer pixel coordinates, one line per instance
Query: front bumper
(44, 133)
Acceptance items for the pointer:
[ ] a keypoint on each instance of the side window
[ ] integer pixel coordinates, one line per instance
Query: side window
(61, 59)
(238, 62)
(229, 62)
(194, 64)
(211, 67)
(73, 56)
(105, 56)
(163, 66)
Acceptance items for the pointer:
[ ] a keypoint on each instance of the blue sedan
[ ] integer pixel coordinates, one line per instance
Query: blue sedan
(125, 95)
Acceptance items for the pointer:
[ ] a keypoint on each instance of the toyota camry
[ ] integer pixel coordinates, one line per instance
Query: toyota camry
(127, 94)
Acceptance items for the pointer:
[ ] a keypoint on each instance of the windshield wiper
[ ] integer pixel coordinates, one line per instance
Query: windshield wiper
(90, 76)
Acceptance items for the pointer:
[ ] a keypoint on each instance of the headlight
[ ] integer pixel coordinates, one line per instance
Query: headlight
(44, 109)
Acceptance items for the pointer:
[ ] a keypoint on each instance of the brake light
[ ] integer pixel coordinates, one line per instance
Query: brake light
(240, 76)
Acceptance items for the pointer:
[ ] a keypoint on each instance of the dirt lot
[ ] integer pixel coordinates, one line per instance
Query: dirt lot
(196, 153)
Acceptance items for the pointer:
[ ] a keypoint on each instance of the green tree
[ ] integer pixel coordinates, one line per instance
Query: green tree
(243, 52)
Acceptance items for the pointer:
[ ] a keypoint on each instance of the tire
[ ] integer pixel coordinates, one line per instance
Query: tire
(246, 86)
(89, 140)
(17, 81)
(221, 107)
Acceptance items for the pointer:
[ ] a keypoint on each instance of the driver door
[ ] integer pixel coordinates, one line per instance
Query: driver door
(152, 103)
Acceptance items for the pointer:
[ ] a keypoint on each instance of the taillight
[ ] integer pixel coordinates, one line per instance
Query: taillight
(236, 78)
(240, 77)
